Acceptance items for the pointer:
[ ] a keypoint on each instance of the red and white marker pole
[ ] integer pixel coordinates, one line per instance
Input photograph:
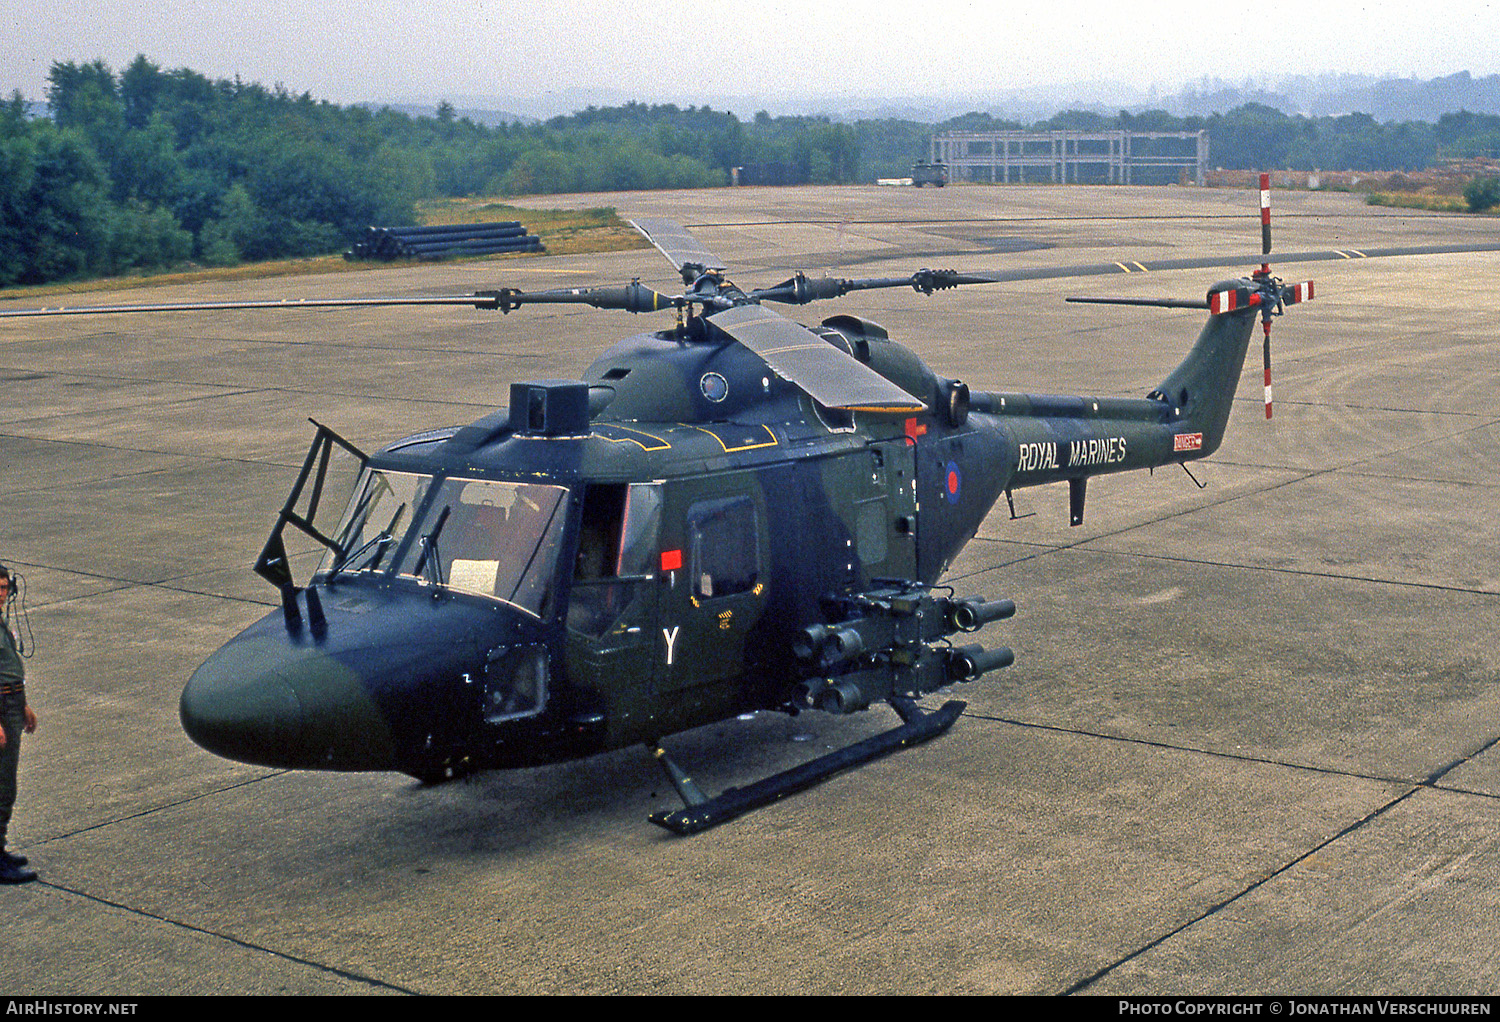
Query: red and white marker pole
(1265, 269)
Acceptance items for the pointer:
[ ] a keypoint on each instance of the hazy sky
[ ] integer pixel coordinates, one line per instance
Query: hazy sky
(361, 50)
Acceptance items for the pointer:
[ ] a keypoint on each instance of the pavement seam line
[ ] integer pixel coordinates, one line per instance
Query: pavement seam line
(1214, 909)
(119, 585)
(129, 450)
(1042, 550)
(247, 945)
(1427, 783)
(1430, 781)
(161, 808)
(1299, 476)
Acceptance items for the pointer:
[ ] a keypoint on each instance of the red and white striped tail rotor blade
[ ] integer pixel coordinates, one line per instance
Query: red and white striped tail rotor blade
(1265, 214)
(1266, 348)
(1291, 294)
(1232, 299)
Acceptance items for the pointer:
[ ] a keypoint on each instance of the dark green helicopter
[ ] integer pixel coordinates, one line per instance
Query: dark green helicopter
(734, 513)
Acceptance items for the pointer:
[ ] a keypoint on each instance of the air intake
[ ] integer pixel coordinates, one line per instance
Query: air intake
(550, 408)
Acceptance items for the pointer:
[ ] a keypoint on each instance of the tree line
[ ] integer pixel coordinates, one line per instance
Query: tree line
(150, 168)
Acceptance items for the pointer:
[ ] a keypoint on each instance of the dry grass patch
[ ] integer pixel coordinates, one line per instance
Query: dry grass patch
(563, 232)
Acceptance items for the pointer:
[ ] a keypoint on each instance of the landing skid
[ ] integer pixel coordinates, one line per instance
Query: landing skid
(701, 812)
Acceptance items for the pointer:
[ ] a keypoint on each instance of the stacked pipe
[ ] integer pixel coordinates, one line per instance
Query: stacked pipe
(441, 241)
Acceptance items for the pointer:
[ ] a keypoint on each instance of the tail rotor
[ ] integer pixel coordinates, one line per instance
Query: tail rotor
(1269, 293)
(1262, 289)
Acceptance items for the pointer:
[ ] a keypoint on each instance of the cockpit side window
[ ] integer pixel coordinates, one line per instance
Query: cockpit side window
(599, 532)
(617, 544)
(724, 546)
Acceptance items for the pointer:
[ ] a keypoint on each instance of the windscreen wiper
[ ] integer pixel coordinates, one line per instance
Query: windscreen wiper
(380, 543)
(430, 555)
(356, 524)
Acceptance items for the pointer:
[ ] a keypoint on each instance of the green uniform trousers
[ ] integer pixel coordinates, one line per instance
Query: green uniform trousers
(13, 720)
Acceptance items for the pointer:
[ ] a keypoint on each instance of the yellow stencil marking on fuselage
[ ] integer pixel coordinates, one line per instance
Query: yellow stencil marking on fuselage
(660, 445)
(772, 442)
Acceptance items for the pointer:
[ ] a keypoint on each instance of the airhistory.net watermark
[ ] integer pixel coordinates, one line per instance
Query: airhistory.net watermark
(49, 1006)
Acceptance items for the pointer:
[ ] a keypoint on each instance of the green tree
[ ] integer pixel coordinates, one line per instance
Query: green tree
(143, 237)
(148, 166)
(141, 88)
(54, 214)
(1482, 193)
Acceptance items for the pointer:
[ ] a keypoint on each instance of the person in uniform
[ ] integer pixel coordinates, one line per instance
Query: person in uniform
(15, 717)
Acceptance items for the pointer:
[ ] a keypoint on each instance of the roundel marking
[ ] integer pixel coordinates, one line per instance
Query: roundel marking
(714, 387)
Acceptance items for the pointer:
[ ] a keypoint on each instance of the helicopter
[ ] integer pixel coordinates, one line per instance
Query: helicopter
(607, 561)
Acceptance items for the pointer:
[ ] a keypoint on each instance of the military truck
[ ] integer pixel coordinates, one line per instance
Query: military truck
(924, 173)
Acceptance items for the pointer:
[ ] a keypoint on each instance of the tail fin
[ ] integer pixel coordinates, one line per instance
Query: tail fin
(1202, 387)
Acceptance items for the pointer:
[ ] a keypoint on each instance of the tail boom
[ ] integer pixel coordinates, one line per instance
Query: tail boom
(1061, 437)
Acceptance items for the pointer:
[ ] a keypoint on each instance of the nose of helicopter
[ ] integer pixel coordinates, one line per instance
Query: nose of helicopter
(241, 715)
(264, 700)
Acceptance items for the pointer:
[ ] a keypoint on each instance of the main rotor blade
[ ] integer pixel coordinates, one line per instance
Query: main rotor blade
(1127, 266)
(925, 281)
(632, 297)
(831, 377)
(1159, 303)
(681, 249)
(802, 289)
(477, 301)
